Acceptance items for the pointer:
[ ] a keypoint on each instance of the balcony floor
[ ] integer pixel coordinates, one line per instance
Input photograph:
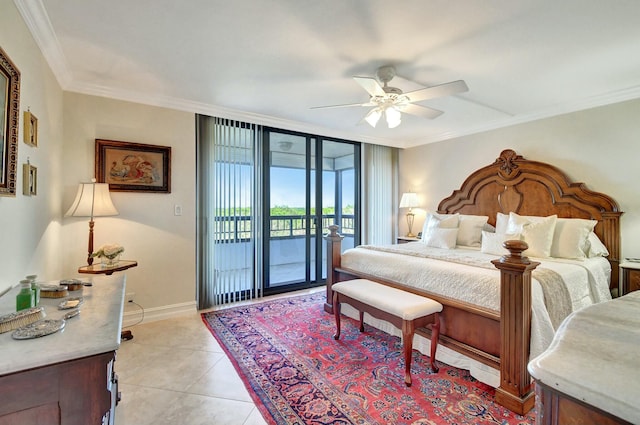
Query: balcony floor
(280, 275)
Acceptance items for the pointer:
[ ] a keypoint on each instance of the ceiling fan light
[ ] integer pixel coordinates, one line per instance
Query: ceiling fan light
(393, 116)
(373, 116)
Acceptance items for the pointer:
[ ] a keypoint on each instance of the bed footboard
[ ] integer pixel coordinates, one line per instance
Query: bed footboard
(515, 390)
(334, 252)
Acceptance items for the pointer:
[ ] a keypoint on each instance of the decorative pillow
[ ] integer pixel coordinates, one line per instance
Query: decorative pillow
(442, 238)
(596, 247)
(492, 242)
(435, 220)
(470, 230)
(502, 221)
(489, 228)
(570, 239)
(517, 221)
(537, 232)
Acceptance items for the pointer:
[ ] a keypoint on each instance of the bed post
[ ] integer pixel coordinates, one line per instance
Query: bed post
(334, 248)
(515, 390)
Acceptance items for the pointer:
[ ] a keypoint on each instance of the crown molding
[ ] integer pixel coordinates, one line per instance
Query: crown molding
(219, 111)
(567, 108)
(37, 20)
(265, 120)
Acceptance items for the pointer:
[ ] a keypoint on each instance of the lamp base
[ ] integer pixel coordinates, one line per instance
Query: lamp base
(90, 245)
(410, 217)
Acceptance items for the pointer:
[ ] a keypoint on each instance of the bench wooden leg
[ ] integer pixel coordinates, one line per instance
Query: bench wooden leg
(336, 314)
(407, 343)
(408, 327)
(435, 334)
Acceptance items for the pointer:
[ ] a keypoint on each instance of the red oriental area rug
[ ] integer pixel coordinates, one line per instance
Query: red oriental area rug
(298, 374)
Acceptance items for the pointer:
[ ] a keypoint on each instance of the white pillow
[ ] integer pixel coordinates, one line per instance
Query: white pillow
(442, 238)
(492, 242)
(570, 238)
(537, 232)
(502, 221)
(596, 247)
(470, 230)
(489, 228)
(517, 221)
(435, 220)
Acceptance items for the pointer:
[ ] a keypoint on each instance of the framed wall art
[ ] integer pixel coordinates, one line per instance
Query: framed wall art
(30, 134)
(29, 180)
(133, 167)
(9, 107)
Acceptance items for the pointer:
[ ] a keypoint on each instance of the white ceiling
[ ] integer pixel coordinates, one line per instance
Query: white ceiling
(270, 61)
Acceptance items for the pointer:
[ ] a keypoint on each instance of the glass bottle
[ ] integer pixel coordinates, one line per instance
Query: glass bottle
(25, 298)
(35, 287)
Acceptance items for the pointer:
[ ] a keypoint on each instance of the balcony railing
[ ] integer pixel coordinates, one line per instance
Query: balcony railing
(238, 228)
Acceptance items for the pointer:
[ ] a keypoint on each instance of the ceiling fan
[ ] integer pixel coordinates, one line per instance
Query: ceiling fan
(391, 101)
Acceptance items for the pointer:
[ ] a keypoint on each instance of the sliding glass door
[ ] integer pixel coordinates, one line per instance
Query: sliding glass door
(265, 198)
(300, 203)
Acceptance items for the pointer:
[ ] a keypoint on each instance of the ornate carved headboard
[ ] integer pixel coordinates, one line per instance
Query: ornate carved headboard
(515, 184)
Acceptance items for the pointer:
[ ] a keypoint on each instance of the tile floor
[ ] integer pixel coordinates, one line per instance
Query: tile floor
(174, 372)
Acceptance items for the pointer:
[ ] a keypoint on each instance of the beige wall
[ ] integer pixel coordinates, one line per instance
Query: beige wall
(162, 243)
(599, 147)
(36, 238)
(30, 226)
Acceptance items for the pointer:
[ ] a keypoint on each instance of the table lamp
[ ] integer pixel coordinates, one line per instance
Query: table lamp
(409, 200)
(92, 200)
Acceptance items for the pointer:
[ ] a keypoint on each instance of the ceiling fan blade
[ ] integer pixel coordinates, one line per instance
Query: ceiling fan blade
(421, 111)
(371, 85)
(446, 89)
(347, 105)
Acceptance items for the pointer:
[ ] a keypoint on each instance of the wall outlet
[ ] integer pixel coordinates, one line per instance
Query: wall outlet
(129, 296)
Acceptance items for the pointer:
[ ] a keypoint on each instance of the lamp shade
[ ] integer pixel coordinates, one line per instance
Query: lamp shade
(92, 200)
(373, 116)
(393, 116)
(390, 112)
(409, 200)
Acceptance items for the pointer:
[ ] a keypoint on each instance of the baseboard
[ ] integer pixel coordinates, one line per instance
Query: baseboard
(138, 314)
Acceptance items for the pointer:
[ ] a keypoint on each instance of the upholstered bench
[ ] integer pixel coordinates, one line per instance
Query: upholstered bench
(405, 310)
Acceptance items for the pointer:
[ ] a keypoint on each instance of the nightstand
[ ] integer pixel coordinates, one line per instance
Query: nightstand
(406, 239)
(109, 270)
(630, 272)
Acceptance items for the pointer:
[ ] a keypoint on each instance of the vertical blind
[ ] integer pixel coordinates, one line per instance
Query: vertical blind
(229, 199)
(379, 194)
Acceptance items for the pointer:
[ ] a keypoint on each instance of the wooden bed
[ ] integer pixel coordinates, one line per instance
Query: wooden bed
(501, 340)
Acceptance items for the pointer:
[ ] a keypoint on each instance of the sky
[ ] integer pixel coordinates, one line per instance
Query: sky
(288, 188)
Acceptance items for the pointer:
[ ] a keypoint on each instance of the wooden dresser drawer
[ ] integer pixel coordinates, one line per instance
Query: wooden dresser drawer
(630, 278)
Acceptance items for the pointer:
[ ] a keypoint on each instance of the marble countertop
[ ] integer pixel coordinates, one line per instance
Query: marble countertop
(95, 330)
(594, 357)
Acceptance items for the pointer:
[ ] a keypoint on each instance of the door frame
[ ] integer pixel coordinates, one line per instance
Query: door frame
(317, 192)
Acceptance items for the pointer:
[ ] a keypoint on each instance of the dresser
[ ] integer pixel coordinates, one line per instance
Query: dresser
(589, 374)
(67, 377)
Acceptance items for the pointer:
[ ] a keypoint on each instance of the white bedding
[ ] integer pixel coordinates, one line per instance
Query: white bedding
(468, 275)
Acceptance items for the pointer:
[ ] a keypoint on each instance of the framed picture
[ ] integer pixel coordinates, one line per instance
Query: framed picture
(9, 107)
(29, 180)
(30, 134)
(133, 167)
